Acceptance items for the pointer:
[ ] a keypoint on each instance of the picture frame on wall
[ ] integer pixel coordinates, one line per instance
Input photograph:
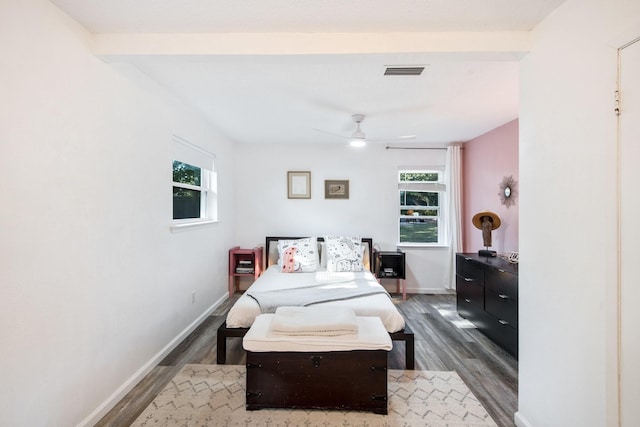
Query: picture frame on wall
(299, 184)
(336, 189)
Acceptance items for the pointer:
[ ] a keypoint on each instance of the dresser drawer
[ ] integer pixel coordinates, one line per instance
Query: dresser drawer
(501, 306)
(470, 299)
(504, 335)
(469, 269)
(502, 282)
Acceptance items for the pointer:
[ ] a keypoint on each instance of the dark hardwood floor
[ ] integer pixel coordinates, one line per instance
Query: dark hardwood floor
(443, 341)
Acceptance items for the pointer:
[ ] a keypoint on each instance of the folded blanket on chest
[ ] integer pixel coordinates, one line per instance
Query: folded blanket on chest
(304, 296)
(371, 335)
(321, 321)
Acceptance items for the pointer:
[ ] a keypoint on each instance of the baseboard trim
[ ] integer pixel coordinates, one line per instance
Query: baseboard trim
(521, 421)
(129, 384)
(431, 291)
(391, 288)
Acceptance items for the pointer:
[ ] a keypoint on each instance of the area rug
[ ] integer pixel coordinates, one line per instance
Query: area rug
(214, 395)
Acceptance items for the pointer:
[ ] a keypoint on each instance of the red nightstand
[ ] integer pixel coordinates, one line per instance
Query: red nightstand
(242, 263)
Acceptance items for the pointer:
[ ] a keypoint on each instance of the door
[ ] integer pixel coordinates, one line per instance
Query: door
(629, 170)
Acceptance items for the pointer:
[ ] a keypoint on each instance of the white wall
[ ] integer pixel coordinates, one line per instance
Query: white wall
(262, 207)
(567, 216)
(93, 283)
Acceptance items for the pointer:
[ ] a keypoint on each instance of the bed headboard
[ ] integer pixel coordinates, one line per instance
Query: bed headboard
(271, 250)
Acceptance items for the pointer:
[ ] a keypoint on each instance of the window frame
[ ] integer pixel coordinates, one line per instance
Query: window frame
(438, 187)
(203, 189)
(195, 156)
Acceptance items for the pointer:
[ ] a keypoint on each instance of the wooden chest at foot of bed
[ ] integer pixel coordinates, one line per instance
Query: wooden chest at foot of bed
(346, 380)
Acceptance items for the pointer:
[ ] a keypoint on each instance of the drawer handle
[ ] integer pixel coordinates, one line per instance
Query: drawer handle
(466, 279)
(501, 270)
(503, 322)
(467, 300)
(467, 259)
(316, 361)
(503, 296)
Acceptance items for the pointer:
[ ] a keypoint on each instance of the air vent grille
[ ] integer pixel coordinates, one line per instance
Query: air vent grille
(403, 71)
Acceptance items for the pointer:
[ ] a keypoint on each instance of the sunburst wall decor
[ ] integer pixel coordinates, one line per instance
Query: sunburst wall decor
(508, 191)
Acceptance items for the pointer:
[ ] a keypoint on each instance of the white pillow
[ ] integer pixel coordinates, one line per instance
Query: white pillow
(343, 253)
(323, 255)
(298, 256)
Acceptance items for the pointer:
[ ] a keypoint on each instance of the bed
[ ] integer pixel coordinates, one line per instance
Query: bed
(358, 290)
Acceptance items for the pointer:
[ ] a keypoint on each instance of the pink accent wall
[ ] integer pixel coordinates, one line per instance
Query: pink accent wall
(486, 160)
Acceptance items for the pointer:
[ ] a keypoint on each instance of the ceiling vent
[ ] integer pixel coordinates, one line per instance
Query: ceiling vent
(403, 71)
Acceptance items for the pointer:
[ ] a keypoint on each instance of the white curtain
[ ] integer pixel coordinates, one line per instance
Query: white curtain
(454, 211)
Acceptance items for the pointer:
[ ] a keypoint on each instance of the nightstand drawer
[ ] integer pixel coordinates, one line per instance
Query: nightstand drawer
(469, 269)
(501, 306)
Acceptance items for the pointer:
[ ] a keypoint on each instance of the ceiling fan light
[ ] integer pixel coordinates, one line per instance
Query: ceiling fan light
(358, 134)
(358, 142)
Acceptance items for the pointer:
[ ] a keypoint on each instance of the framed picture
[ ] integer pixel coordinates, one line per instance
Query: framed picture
(299, 185)
(336, 189)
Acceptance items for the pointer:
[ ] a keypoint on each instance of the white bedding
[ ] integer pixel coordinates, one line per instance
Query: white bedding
(370, 336)
(246, 309)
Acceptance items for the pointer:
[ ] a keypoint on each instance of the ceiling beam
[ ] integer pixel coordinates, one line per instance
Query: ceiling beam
(506, 45)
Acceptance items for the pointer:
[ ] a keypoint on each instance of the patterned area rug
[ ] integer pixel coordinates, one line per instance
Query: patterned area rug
(214, 395)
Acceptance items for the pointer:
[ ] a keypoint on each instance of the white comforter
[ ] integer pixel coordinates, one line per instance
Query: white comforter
(246, 309)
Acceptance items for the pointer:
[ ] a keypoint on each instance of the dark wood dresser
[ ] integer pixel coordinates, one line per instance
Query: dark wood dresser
(487, 295)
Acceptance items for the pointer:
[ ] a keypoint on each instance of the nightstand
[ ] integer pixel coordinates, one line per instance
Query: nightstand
(243, 263)
(391, 265)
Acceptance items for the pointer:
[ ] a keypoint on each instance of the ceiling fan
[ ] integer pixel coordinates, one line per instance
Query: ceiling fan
(359, 139)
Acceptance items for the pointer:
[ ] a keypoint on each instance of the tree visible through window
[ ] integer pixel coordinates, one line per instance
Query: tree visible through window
(421, 195)
(188, 193)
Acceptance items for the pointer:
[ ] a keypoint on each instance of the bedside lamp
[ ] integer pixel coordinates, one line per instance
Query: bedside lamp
(487, 222)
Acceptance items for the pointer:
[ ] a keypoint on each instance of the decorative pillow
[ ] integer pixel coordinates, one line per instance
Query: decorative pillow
(323, 255)
(343, 253)
(298, 256)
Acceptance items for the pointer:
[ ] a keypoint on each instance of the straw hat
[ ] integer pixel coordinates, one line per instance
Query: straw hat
(477, 219)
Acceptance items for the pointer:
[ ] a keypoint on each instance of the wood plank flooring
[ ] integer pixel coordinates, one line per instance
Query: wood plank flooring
(443, 340)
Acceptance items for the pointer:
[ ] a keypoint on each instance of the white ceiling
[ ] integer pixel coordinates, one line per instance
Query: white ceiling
(282, 98)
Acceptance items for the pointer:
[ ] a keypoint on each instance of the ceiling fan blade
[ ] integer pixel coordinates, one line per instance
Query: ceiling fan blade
(392, 138)
(358, 137)
(332, 134)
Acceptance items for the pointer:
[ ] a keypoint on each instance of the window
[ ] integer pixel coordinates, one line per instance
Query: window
(422, 195)
(194, 184)
(189, 195)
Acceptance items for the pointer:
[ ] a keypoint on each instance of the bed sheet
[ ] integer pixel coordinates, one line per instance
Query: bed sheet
(246, 309)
